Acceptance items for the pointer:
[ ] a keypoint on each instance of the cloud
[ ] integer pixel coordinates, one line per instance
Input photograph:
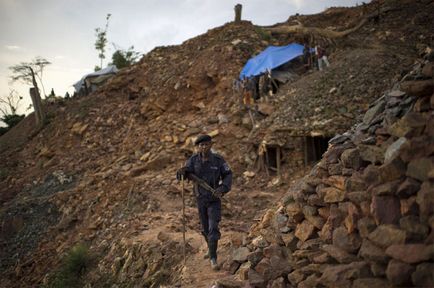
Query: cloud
(59, 57)
(13, 47)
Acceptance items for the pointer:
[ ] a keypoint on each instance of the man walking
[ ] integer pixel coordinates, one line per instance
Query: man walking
(213, 170)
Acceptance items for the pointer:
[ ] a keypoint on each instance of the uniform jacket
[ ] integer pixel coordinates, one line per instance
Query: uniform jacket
(215, 171)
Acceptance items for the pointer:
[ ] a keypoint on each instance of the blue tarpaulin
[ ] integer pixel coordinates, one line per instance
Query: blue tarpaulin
(270, 58)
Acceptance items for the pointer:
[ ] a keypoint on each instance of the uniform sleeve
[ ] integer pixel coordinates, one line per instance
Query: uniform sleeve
(226, 175)
(189, 165)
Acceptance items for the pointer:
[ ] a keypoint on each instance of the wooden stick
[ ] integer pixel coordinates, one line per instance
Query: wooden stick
(183, 218)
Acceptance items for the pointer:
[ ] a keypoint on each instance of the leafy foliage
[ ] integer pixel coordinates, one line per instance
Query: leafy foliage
(124, 58)
(101, 40)
(74, 265)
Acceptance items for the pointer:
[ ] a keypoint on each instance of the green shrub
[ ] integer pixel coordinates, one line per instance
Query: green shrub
(73, 267)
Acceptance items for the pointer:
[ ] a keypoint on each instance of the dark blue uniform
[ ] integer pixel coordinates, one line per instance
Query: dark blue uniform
(217, 173)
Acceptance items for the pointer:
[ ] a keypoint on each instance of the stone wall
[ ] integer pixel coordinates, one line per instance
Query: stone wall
(364, 216)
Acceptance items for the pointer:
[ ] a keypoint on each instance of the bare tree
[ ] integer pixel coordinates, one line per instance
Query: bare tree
(9, 104)
(28, 72)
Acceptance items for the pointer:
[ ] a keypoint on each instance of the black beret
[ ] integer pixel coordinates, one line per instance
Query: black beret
(202, 138)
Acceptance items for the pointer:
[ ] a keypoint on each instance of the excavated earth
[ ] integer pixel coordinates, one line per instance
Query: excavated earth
(101, 172)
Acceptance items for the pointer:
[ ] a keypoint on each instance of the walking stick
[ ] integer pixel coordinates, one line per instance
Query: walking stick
(183, 217)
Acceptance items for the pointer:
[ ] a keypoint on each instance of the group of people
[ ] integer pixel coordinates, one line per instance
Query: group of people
(319, 55)
(255, 88)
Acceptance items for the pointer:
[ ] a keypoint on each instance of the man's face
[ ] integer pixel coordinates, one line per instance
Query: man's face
(204, 147)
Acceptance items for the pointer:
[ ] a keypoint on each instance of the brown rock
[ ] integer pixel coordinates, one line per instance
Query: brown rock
(243, 271)
(264, 269)
(255, 257)
(399, 273)
(378, 269)
(365, 226)
(295, 211)
(427, 70)
(310, 281)
(316, 221)
(416, 231)
(386, 210)
(351, 159)
(348, 242)
(324, 212)
(290, 240)
(425, 200)
(418, 87)
(278, 283)
(388, 188)
(371, 283)
(372, 154)
(341, 274)
(409, 206)
(296, 277)
(304, 230)
(255, 279)
(279, 266)
(411, 253)
(392, 170)
(333, 195)
(424, 275)
(265, 108)
(339, 254)
(408, 188)
(356, 183)
(420, 168)
(240, 254)
(335, 169)
(229, 282)
(273, 250)
(335, 181)
(386, 235)
(369, 251)
(358, 196)
(353, 215)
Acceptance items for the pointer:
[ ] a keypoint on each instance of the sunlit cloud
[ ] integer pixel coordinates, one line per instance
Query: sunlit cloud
(13, 47)
(59, 57)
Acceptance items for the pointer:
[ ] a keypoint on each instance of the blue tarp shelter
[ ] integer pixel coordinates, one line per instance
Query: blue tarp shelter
(270, 58)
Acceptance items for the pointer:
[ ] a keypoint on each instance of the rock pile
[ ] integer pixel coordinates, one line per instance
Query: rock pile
(364, 216)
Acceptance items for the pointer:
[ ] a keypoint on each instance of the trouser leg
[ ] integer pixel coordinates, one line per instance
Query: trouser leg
(203, 217)
(214, 216)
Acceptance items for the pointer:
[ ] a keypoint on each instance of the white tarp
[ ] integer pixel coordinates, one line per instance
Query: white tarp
(106, 71)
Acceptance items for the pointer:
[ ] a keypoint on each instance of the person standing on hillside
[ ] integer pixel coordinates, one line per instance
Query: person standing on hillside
(322, 57)
(211, 169)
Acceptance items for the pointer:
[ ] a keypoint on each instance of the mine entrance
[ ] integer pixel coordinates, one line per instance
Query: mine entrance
(314, 147)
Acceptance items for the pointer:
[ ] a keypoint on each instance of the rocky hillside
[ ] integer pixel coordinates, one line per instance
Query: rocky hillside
(100, 174)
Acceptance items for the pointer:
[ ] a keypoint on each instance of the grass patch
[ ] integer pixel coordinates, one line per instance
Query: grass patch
(264, 35)
(74, 266)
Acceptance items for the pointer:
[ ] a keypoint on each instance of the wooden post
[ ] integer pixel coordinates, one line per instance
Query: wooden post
(305, 151)
(238, 9)
(37, 106)
(278, 161)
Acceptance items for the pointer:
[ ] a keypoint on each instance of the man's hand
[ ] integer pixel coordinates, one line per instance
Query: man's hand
(181, 173)
(219, 192)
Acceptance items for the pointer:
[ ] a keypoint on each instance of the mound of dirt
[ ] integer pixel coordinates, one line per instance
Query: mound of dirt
(121, 146)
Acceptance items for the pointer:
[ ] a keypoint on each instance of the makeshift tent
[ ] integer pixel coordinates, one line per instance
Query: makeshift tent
(97, 78)
(270, 58)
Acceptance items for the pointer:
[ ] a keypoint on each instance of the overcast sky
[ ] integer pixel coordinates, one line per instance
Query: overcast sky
(63, 31)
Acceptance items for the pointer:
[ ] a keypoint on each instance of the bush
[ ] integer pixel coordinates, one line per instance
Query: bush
(74, 265)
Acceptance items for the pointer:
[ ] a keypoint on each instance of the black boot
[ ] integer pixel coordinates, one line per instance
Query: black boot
(212, 244)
